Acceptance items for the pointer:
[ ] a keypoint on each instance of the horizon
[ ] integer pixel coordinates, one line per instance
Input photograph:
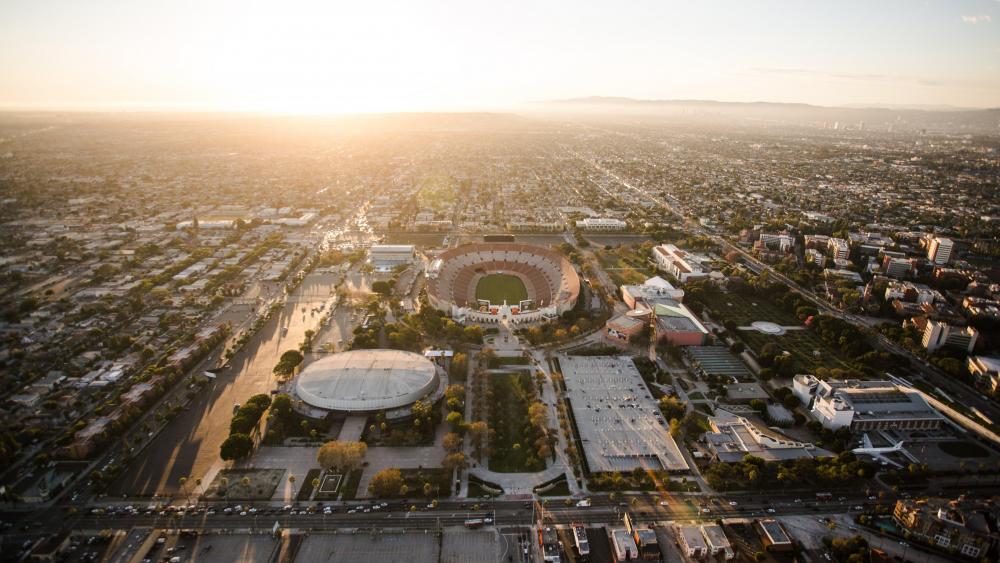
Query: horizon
(311, 58)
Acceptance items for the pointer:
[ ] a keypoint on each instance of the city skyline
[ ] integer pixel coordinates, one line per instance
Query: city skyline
(316, 58)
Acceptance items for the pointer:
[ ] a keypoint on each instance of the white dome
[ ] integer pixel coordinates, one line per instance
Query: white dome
(367, 380)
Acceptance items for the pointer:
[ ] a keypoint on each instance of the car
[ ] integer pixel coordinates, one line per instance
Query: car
(706, 510)
(798, 500)
(664, 503)
(584, 503)
(873, 497)
(243, 513)
(771, 511)
(733, 503)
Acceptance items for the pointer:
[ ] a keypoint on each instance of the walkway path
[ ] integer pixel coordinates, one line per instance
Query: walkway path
(353, 428)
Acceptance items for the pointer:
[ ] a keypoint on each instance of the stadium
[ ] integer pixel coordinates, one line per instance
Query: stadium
(364, 381)
(494, 282)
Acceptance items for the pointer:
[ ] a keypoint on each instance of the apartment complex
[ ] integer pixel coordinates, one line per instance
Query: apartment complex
(968, 528)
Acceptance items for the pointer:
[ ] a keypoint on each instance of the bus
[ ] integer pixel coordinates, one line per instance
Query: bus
(474, 523)
(824, 496)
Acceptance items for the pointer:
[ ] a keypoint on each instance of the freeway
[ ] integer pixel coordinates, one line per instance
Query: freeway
(961, 393)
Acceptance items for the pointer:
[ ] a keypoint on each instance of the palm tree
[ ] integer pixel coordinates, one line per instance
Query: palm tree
(182, 481)
(197, 484)
(224, 483)
(315, 486)
(291, 483)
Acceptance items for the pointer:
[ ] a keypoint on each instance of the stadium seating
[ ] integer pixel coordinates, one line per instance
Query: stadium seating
(548, 277)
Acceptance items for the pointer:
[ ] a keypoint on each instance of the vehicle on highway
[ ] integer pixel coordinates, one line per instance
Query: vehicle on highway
(585, 503)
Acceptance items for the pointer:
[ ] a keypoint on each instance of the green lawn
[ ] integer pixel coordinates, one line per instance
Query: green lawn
(630, 270)
(497, 288)
(513, 436)
(801, 344)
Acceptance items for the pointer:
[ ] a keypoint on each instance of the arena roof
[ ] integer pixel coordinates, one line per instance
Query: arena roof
(367, 380)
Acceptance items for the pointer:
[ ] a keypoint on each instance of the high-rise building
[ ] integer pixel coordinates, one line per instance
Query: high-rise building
(939, 334)
(939, 250)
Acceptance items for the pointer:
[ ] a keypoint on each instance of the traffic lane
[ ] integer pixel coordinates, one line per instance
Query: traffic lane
(421, 520)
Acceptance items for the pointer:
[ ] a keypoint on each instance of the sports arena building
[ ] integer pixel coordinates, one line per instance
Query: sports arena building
(494, 282)
(364, 381)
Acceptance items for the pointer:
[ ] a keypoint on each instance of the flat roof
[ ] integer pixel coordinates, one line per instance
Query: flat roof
(774, 530)
(367, 380)
(718, 360)
(619, 423)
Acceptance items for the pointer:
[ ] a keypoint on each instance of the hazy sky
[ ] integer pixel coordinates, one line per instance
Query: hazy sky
(373, 55)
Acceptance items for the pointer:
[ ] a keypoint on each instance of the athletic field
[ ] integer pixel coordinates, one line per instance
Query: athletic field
(497, 288)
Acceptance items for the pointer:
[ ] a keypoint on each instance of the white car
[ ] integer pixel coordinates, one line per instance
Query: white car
(732, 503)
(583, 503)
(771, 511)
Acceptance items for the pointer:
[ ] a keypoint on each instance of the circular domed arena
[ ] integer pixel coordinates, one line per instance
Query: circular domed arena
(494, 282)
(367, 381)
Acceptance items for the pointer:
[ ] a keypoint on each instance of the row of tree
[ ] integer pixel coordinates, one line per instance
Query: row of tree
(240, 442)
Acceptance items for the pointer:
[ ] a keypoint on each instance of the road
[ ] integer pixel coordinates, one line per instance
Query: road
(189, 445)
(961, 393)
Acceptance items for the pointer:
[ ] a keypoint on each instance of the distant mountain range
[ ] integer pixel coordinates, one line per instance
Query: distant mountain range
(952, 119)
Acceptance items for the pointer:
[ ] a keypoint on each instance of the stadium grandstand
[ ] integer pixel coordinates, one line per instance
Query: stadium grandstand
(494, 282)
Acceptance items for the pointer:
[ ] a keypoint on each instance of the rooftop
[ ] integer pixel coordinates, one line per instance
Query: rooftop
(620, 425)
(367, 380)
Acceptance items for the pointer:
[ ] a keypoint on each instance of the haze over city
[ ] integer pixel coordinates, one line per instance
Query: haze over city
(384, 56)
(550, 282)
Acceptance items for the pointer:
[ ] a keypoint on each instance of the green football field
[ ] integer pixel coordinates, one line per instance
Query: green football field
(498, 288)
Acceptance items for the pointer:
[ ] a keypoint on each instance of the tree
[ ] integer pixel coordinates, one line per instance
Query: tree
(455, 393)
(452, 442)
(538, 414)
(288, 362)
(386, 483)
(454, 461)
(459, 366)
(236, 446)
(343, 455)
(672, 407)
(382, 287)
(478, 432)
(675, 428)
(455, 420)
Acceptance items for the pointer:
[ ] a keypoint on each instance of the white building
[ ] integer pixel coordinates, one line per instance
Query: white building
(839, 249)
(716, 541)
(652, 289)
(733, 437)
(783, 242)
(898, 267)
(385, 257)
(681, 264)
(986, 368)
(601, 224)
(691, 541)
(939, 250)
(868, 405)
(940, 334)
